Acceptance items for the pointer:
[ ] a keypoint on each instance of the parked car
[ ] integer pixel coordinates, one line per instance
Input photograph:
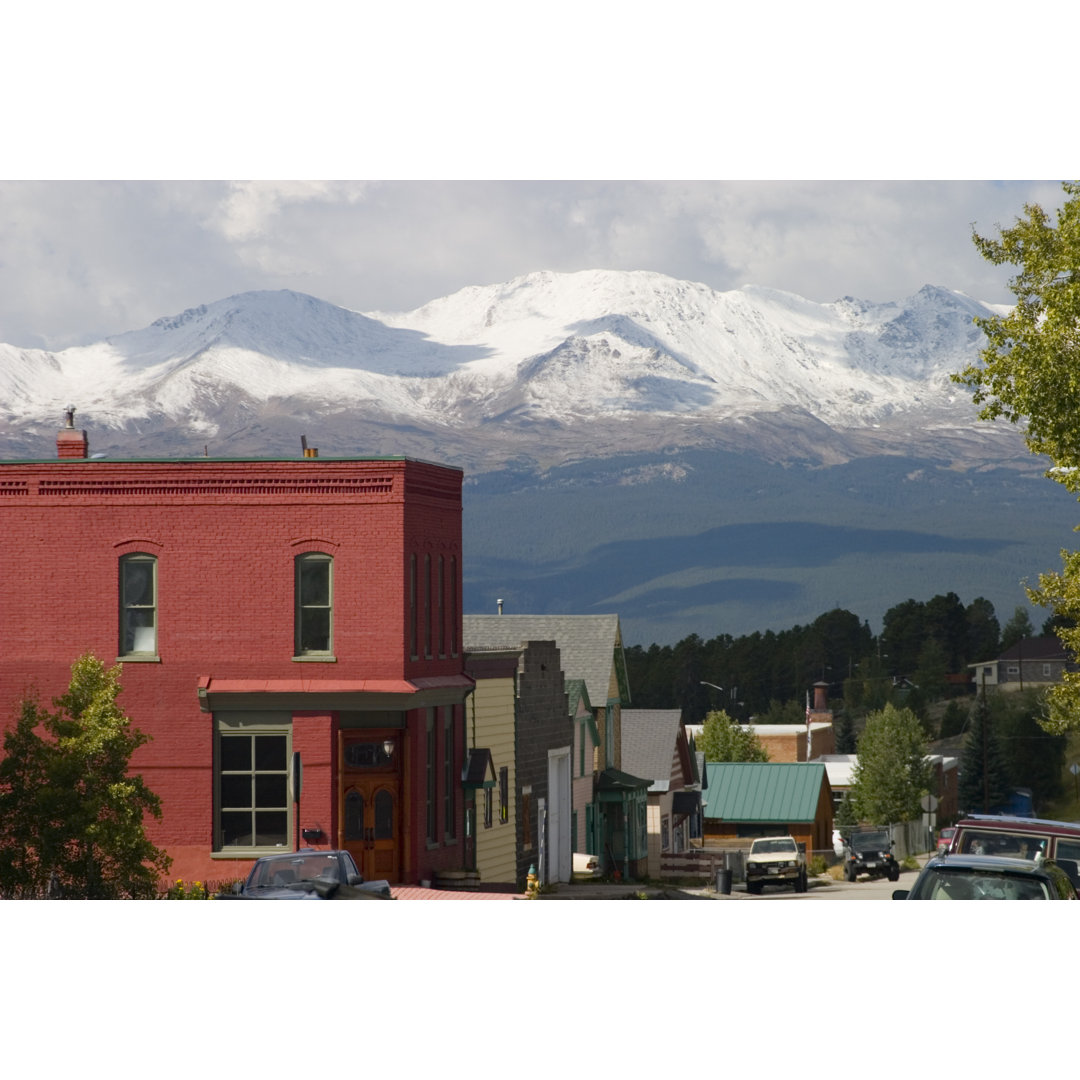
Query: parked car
(307, 875)
(944, 839)
(870, 852)
(988, 877)
(775, 860)
(1027, 838)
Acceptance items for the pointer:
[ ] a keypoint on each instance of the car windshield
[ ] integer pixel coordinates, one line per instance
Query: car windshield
(960, 884)
(285, 869)
(869, 841)
(768, 847)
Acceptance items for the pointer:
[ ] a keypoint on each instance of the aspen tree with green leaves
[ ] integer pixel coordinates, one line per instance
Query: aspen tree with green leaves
(722, 739)
(891, 775)
(1028, 373)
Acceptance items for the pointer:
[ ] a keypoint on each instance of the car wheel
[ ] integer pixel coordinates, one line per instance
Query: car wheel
(753, 887)
(800, 882)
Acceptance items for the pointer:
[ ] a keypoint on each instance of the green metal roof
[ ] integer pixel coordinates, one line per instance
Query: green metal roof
(763, 791)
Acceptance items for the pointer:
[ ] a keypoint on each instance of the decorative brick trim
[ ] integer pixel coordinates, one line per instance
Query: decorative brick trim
(138, 543)
(231, 487)
(314, 543)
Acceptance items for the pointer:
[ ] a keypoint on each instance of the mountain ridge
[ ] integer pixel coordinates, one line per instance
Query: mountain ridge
(700, 462)
(555, 351)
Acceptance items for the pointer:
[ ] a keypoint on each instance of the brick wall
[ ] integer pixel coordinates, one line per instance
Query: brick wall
(225, 536)
(543, 724)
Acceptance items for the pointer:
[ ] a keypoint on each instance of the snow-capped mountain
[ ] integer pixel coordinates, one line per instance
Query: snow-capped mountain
(622, 359)
(631, 442)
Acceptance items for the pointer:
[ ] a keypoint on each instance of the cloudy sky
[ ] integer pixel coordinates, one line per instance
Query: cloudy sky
(488, 138)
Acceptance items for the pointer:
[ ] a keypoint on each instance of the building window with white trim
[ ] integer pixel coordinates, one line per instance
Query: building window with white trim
(314, 604)
(252, 789)
(138, 605)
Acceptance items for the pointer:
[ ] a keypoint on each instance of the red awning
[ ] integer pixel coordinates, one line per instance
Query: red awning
(313, 693)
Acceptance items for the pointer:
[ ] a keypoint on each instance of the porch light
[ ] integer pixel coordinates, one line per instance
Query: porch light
(388, 747)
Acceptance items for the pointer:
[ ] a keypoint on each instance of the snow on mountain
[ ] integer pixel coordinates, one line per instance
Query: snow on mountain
(546, 346)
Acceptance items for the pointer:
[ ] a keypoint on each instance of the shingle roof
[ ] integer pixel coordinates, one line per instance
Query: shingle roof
(586, 643)
(1037, 648)
(769, 791)
(648, 744)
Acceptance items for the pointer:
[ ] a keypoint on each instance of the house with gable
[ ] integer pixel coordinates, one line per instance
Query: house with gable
(521, 746)
(611, 821)
(655, 745)
(584, 763)
(745, 800)
(1031, 663)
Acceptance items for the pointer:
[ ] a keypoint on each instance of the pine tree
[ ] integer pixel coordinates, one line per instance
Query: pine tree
(984, 772)
(846, 819)
(844, 732)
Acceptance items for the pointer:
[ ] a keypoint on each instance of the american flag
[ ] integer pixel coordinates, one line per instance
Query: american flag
(809, 747)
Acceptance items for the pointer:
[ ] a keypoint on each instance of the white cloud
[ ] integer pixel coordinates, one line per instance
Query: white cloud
(80, 260)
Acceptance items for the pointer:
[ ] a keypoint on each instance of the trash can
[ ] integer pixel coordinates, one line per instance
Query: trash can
(723, 882)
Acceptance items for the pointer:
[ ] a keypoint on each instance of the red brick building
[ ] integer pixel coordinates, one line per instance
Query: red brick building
(259, 609)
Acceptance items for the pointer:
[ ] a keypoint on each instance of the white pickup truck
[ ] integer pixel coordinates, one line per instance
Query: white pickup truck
(775, 860)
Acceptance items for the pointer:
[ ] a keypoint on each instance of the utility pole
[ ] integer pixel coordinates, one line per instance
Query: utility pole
(986, 772)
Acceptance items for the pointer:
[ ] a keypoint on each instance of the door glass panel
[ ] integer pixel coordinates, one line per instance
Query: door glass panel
(384, 815)
(366, 755)
(354, 816)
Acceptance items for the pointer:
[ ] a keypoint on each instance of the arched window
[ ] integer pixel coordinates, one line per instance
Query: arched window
(314, 604)
(138, 605)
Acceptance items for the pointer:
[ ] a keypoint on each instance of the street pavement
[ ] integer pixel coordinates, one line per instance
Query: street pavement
(820, 888)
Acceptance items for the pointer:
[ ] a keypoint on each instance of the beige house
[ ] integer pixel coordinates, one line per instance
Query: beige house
(489, 726)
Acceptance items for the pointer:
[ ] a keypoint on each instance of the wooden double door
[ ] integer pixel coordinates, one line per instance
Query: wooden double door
(370, 807)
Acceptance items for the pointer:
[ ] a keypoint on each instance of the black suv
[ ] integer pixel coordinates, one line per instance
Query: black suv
(870, 852)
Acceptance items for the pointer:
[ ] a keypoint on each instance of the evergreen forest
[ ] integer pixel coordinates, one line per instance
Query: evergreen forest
(919, 662)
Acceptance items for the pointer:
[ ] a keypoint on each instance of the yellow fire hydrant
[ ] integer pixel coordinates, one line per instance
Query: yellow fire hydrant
(532, 884)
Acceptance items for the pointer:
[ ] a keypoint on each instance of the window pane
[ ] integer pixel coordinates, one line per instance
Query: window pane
(270, 752)
(315, 630)
(271, 791)
(271, 828)
(315, 581)
(139, 581)
(236, 828)
(236, 791)
(139, 633)
(235, 752)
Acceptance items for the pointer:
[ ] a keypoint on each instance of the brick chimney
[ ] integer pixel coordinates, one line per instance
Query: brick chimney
(69, 442)
(821, 693)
